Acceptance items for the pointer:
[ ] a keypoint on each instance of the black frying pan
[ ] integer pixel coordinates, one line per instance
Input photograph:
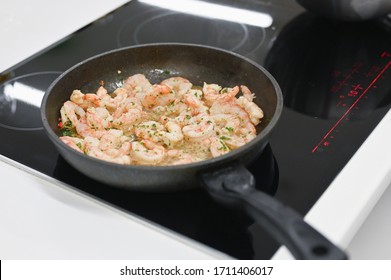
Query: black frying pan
(225, 178)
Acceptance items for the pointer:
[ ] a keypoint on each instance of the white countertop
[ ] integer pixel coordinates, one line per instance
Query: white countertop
(39, 217)
(28, 27)
(42, 219)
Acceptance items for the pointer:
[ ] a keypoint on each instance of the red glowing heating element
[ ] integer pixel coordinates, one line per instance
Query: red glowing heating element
(353, 93)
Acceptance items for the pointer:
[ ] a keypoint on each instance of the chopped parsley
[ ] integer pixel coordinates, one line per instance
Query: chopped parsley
(223, 146)
(67, 129)
(225, 138)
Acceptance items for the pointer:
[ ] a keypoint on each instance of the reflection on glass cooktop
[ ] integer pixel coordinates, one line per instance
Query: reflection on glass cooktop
(335, 79)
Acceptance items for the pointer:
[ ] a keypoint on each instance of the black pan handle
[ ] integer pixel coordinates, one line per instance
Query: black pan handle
(235, 186)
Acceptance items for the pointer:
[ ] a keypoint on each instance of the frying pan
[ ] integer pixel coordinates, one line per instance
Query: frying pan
(226, 178)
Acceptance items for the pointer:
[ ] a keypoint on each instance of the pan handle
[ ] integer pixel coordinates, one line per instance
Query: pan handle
(235, 186)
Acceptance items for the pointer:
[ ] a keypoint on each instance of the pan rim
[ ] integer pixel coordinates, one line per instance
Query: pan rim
(204, 163)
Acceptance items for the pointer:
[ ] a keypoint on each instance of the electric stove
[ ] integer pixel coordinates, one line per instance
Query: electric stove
(335, 78)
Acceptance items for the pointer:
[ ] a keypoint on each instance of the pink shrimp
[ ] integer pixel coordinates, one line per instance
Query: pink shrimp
(195, 104)
(156, 95)
(211, 93)
(147, 152)
(199, 128)
(218, 147)
(73, 142)
(179, 85)
(136, 84)
(247, 93)
(92, 149)
(98, 118)
(71, 112)
(255, 113)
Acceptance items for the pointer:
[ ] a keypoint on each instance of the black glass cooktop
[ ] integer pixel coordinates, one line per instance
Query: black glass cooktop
(335, 79)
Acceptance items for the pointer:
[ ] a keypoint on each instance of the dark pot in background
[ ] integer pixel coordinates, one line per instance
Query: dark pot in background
(348, 10)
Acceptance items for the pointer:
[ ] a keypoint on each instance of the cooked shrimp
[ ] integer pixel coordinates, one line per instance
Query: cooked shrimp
(147, 152)
(111, 139)
(73, 142)
(173, 134)
(98, 118)
(193, 99)
(255, 113)
(149, 130)
(235, 141)
(101, 92)
(218, 147)
(178, 84)
(131, 103)
(226, 123)
(176, 108)
(91, 145)
(137, 122)
(136, 84)
(114, 143)
(247, 93)
(122, 159)
(119, 99)
(128, 120)
(77, 97)
(168, 134)
(112, 101)
(156, 95)
(125, 105)
(177, 157)
(71, 112)
(84, 130)
(230, 106)
(85, 100)
(100, 99)
(227, 94)
(241, 136)
(200, 127)
(211, 93)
